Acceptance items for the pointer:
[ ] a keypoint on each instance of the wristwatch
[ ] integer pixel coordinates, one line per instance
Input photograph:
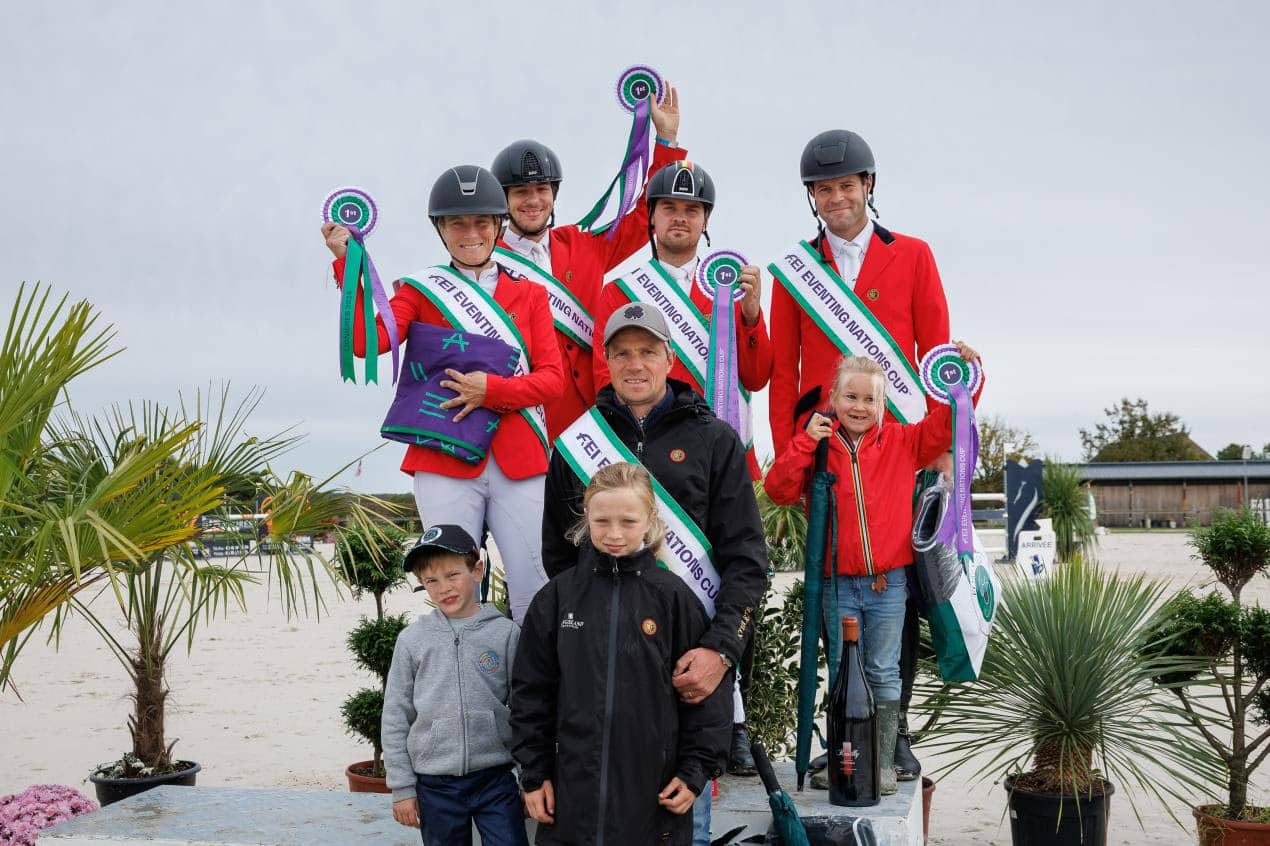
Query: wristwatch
(727, 662)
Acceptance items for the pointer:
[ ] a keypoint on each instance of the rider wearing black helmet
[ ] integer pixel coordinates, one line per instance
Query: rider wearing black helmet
(575, 261)
(681, 197)
(895, 278)
(504, 490)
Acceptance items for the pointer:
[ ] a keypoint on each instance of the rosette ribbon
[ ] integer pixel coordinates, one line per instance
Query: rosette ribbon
(634, 88)
(719, 278)
(952, 380)
(353, 209)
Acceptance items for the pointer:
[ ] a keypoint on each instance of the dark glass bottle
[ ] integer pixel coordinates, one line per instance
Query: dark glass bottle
(854, 776)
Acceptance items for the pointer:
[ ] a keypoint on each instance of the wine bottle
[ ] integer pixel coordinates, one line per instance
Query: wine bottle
(854, 775)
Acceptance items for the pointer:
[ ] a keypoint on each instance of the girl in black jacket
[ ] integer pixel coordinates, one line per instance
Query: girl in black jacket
(608, 754)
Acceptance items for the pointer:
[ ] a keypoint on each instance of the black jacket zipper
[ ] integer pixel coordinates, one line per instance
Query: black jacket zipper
(606, 734)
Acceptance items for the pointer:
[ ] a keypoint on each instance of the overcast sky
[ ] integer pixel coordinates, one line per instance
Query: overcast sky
(1092, 177)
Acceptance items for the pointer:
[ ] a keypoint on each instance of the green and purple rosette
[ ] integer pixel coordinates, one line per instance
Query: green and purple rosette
(636, 87)
(354, 209)
(952, 380)
(719, 278)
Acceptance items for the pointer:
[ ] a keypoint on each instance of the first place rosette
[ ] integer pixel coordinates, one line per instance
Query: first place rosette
(354, 209)
(952, 380)
(719, 278)
(637, 87)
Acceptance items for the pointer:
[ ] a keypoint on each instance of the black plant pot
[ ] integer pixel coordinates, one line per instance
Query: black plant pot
(1035, 818)
(111, 790)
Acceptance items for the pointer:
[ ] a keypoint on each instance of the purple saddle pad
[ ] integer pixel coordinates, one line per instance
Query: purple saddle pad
(416, 416)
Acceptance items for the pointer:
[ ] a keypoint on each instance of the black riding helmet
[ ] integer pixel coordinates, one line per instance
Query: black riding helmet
(680, 181)
(834, 154)
(524, 162)
(466, 189)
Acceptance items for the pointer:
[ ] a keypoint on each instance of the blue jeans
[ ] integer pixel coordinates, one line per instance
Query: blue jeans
(448, 805)
(881, 617)
(701, 817)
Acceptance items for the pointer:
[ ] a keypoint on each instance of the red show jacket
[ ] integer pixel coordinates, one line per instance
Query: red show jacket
(909, 301)
(580, 260)
(874, 487)
(753, 348)
(518, 451)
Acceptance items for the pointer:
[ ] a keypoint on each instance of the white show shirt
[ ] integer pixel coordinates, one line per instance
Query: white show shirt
(539, 252)
(849, 255)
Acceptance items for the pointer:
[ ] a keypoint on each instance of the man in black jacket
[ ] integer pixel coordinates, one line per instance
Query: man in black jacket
(700, 461)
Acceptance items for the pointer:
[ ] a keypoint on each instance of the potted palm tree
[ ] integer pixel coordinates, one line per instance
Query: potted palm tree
(165, 596)
(370, 563)
(1068, 703)
(1233, 640)
(61, 533)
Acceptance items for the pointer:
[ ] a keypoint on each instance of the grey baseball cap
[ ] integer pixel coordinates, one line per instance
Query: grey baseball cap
(638, 316)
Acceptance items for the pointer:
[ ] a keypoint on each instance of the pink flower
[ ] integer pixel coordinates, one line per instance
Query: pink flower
(23, 815)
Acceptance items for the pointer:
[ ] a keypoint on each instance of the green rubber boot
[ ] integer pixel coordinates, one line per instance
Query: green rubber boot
(888, 726)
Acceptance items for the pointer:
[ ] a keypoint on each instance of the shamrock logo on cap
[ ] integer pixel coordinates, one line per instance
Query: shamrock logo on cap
(633, 313)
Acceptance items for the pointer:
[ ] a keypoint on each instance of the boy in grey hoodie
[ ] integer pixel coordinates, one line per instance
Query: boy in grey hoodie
(445, 723)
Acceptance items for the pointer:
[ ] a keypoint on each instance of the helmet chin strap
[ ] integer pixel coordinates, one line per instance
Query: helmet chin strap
(467, 266)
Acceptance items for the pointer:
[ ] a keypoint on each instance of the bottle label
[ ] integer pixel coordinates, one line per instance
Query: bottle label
(848, 758)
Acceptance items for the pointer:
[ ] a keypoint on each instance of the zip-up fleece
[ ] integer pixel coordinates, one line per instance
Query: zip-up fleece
(873, 486)
(594, 709)
(445, 709)
(700, 461)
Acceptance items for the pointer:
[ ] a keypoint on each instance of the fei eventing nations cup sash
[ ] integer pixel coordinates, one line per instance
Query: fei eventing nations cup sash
(690, 337)
(847, 321)
(589, 444)
(467, 307)
(635, 88)
(567, 313)
(354, 209)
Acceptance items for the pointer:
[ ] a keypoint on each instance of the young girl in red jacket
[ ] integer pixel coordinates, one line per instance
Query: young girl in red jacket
(874, 462)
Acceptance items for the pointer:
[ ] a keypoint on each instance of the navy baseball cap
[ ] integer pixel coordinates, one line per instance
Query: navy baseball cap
(444, 537)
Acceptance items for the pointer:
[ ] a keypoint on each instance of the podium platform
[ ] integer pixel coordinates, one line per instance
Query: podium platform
(235, 816)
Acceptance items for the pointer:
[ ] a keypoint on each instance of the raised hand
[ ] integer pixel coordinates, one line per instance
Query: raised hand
(666, 115)
(752, 285)
(336, 238)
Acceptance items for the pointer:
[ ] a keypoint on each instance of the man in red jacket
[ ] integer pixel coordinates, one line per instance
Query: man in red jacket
(681, 197)
(571, 263)
(893, 276)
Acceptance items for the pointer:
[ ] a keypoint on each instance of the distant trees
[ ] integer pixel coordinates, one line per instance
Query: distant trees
(1235, 452)
(1132, 433)
(999, 442)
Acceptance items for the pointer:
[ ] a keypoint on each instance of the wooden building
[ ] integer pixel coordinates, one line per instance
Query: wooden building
(1174, 493)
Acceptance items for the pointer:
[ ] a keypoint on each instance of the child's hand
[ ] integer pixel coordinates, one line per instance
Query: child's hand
(406, 812)
(676, 797)
(966, 351)
(820, 427)
(541, 803)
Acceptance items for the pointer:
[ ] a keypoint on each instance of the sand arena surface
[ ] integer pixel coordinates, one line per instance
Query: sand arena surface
(257, 704)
